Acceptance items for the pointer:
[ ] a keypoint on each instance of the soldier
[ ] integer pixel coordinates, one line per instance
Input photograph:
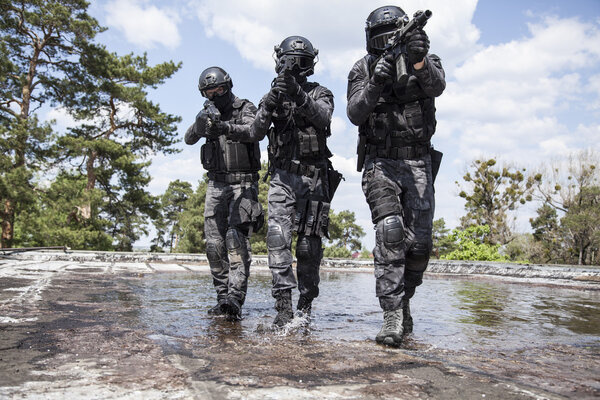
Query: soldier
(296, 115)
(232, 211)
(397, 119)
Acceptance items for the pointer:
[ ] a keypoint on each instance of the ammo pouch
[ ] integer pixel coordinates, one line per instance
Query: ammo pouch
(308, 142)
(311, 218)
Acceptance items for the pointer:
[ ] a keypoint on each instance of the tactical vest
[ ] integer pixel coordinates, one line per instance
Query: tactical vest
(223, 155)
(404, 116)
(293, 137)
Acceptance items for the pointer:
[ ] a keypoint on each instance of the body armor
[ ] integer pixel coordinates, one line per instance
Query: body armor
(293, 137)
(403, 117)
(222, 155)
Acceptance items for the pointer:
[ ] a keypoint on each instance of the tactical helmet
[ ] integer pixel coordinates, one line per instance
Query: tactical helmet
(381, 23)
(213, 77)
(301, 50)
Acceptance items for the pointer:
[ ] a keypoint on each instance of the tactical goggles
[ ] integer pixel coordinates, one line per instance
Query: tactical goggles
(215, 91)
(381, 41)
(291, 61)
(380, 36)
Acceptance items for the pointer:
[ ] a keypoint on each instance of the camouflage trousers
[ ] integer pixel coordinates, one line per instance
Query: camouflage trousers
(400, 195)
(294, 207)
(232, 212)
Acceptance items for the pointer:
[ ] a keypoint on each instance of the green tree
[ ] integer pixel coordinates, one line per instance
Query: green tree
(191, 221)
(491, 193)
(442, 242)
(547, 234)
(472, 244)
(581, 224)
(344, 234)
(172, 205)
(570, 189)
(119, 127)
(40, 42)
(55, 218)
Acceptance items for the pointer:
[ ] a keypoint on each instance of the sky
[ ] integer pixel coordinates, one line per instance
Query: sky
(523, 77)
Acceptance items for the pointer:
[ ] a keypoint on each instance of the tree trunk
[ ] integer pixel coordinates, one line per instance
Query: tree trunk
(7, 224)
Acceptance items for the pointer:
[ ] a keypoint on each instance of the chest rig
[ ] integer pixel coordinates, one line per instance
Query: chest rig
(294, 138)
(229, 160)
(402, 123)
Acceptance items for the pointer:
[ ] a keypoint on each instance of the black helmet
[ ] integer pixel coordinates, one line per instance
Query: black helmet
(301, 50)
(380, 25)
(212, 77)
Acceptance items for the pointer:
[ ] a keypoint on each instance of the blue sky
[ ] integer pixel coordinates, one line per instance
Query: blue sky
(523, 76)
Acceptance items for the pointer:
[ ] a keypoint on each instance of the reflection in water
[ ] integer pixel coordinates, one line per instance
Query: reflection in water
(484, 304)
(448, 313)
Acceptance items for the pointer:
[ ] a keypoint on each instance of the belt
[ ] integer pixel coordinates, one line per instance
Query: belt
(233, 177)
(296, 167)
(398, 153)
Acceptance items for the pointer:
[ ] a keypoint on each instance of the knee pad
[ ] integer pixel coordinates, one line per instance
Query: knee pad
(233, 240)
(275, 238)
(215, 250)
(393, 231)
(417, 256)
(308, 248)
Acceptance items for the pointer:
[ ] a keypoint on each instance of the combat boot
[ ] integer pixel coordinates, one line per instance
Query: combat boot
(304, 308)
(233, 309)
(407, 321)
(283, 305)
(218, 309)
(391, 331)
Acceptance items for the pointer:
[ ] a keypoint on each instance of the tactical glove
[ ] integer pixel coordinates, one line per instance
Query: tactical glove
(272, 99)
(383, 70)
(216, 128)
(289, 86)
(417, 46)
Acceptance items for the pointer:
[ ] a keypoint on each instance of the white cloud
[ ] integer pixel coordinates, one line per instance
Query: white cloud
(509, 99)
(144, 25)
(336, 28)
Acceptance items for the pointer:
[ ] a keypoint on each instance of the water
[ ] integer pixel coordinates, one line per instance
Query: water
(451, 314)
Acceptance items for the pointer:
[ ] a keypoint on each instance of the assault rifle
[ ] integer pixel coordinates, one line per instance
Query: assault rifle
(396, 44)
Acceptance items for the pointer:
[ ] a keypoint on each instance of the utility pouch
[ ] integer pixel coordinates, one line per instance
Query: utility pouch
(251, 213)
(208, 155)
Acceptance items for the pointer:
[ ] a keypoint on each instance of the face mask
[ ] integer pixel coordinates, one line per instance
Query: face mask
(224, 101)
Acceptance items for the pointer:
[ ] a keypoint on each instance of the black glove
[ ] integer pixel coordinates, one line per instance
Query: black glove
(272, 100)
(216, 128)
(417, 46)
(287, 84)
(383, 70)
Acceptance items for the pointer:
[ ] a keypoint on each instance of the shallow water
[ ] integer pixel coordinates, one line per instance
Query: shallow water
(451, 314)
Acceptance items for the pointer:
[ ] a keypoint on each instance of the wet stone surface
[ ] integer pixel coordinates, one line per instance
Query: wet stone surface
(99, 331)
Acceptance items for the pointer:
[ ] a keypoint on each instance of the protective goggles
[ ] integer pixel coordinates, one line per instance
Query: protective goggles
(291, 61)
(215, 91)
(379, 42)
